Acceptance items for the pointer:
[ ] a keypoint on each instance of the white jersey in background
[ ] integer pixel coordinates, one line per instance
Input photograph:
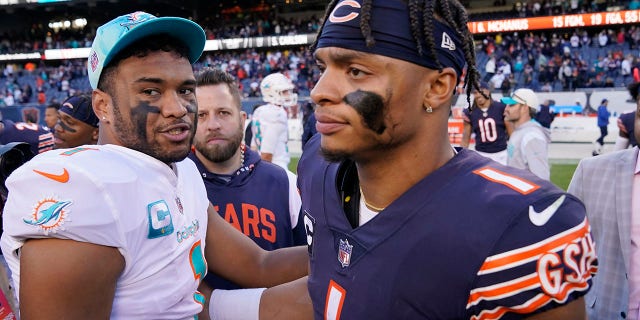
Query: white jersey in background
(154, 214)
(271, 133)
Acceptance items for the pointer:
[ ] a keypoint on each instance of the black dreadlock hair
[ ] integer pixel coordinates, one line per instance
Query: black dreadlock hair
(451, 12)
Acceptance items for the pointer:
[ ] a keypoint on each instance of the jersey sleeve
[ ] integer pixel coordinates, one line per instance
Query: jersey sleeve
(544, 260)
(54, 199)
(535, 150)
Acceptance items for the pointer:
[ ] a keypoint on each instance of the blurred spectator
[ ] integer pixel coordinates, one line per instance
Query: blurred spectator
(42, 96)
(565, 74)
(490, 68)
(603, 39)
(51, 115)
(518, 66)
(603, 123)
(498, 80)
(27, 93)
(527, 76)
(625, 67)
(545, 115)
(8, 99)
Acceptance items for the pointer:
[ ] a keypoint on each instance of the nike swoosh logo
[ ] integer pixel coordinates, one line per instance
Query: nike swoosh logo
(63, 177)
(541, 218)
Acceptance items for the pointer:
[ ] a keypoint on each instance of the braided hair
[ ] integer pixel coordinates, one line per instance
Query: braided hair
(451, 12)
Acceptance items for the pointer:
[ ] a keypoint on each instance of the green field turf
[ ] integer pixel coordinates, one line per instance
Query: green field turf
(560, 173)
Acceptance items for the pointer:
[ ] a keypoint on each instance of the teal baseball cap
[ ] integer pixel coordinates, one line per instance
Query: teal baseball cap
(122, 31)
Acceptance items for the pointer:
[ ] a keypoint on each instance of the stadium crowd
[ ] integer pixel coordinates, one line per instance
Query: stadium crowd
(561, 61)
(556, 60)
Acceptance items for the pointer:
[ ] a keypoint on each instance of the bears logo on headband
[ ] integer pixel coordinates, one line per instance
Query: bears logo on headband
(352, 15)
(391, 29)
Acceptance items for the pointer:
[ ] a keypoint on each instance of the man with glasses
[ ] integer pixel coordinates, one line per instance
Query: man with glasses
(528, 146)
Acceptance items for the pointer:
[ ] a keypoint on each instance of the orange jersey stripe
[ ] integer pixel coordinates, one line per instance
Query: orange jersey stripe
(510, 288)
(504, 289)
(534, 303)
(532, 252)
(513, 182)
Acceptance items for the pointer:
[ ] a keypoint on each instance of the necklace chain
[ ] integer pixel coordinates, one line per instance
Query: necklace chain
(369, 205)
(243, 167)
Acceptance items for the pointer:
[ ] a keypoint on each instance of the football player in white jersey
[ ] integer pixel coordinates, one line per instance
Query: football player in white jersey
(123, 229)
(270, 122)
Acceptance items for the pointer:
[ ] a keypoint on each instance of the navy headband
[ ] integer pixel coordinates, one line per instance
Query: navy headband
(79, 107)
(391, 30)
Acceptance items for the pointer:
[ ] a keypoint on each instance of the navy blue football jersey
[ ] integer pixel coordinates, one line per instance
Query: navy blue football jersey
(256, 201)
(488, 127)
(38, 136)
(625, 124)
(472, 240)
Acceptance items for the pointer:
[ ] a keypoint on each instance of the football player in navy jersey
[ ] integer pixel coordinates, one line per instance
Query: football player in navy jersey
(39, 137)
(486, 120)
(400, 225)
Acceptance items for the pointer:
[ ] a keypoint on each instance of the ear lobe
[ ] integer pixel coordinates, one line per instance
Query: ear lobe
(100, 102)
(443, 85)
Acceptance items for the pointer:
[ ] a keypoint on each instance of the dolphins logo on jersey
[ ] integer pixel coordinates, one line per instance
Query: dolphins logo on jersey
(49, 214)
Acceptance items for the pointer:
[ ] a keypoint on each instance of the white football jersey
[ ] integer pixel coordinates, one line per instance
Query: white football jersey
(271, 133)
(156, 215)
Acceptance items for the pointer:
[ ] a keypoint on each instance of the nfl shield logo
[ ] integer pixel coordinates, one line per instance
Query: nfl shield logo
(94, 61)
(179, 204)
(344, 252)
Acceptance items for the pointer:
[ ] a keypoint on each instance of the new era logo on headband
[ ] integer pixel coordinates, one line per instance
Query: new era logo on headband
(447, 43)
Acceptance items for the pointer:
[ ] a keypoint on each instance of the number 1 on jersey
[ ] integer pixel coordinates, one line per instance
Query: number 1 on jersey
(335, 299)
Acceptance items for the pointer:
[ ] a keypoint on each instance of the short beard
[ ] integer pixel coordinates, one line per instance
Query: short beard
(221, 153)
(133, 135)
(333, 156)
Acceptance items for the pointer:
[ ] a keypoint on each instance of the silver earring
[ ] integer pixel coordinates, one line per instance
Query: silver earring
(104, 118)
(428, 109)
